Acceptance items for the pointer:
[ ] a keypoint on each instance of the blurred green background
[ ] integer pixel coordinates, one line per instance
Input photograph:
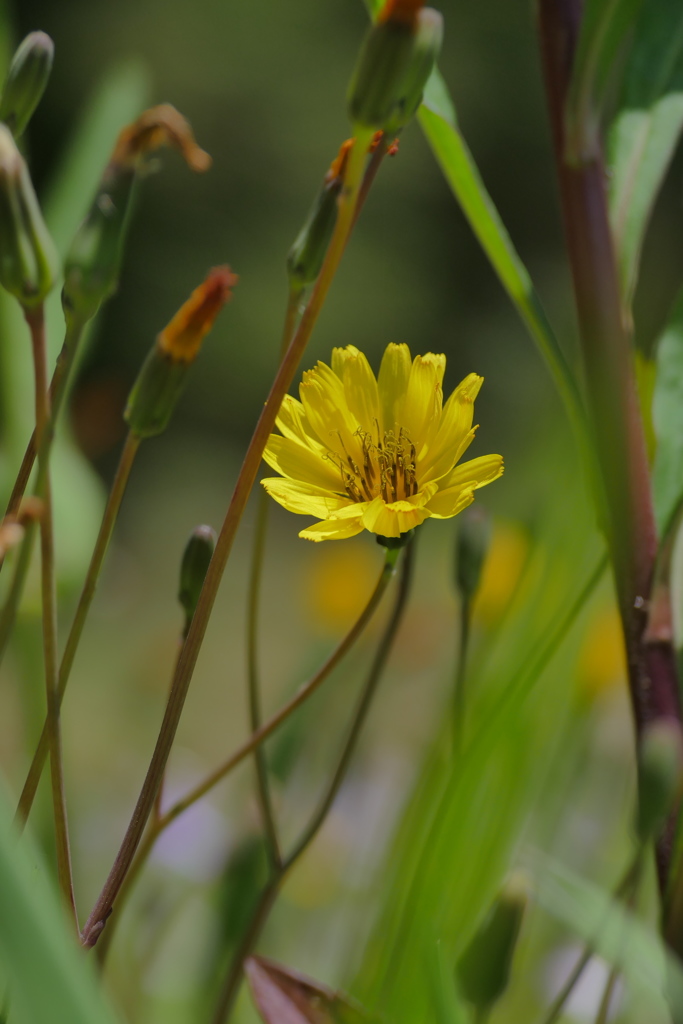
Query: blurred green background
(263, 86)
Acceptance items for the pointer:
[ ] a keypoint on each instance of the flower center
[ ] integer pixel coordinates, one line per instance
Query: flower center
(387, 470)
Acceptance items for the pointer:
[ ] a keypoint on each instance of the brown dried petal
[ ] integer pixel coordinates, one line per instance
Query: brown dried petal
(159, 126)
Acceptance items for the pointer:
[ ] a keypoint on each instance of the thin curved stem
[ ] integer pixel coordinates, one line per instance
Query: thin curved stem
(233, 978)
(243, 487)
(252, 743)
(109, 517)
(253, 601)
(58, 391)
(36, 321)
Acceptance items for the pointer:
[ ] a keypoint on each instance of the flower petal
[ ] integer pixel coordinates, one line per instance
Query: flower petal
(477, 472)
(360, 388)
(304, 498)
(298, 462)
(419, 414)
(291, 420)
(332, 529)
(324, 402)
(394, 519)
(454, 428)
(448, 503)
(392, 382)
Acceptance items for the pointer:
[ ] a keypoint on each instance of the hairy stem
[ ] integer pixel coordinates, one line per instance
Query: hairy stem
(109, 517)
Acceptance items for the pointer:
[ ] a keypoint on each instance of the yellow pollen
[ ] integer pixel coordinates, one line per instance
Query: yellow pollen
(388, 468)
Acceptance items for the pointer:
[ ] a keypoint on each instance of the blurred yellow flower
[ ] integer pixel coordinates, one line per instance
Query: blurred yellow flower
(361, 453)
(502, 572)
(602, 663)
(337, 584)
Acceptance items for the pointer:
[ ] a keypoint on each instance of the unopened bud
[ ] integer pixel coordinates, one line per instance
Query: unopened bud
(483, 971)
(193, 568)
(306, 256)
(162, 377)
(376, 86)
(660, 774)
(27, 77)
(428, 36)
(474, 537)
(92, 265)
(27, 256)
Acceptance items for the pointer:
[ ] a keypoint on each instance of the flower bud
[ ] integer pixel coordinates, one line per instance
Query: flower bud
(428, 36)
(193, 568)
(92, 265)
(483, 971)
(660, 774)
(28, 260)
(306, 256)
(382, 65)
(162, 377)
(26, 80)
(474, 537)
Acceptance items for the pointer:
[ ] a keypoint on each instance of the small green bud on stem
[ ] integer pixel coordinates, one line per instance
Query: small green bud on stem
(27, 77)
(483, 971)
(28, 261)
(193, 568)
(474, 537)
(426, 48)
(162, 377)
(660, 776)
(306, 256)
(395, 61)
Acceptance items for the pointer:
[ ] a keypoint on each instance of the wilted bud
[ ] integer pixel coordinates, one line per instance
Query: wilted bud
(426, 47)
(474, 537)
(376, 86)
(92, 265)
(26, 79)
(306, 256)
(193, 568)
(483, 971)
(27, 257)
(660, 774)
(162, 377)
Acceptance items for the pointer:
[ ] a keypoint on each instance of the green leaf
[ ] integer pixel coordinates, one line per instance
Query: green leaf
(611, 929)
(603, 27)
(461, 173)
(50, 979)
(645, 131)
(667, 413)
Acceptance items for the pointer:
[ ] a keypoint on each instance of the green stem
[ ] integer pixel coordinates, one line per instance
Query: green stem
(253, 601)
(240, 496)
(307, 690)
(604, 1008)
(233, 978)
(58, 391)
(36, 321)
(460, 676)
(265, 800)
(109, 517)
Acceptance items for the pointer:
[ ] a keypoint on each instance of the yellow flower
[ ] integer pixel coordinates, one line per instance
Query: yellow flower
(361, 453)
